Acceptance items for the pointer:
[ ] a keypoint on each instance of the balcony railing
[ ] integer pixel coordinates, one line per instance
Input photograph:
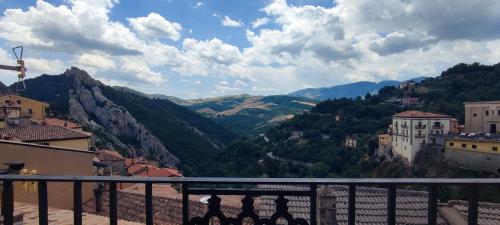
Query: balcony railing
(473, 186)
(438, 126)
(420, 135)
(420, 126)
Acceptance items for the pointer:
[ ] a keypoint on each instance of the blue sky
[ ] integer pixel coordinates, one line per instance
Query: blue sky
(206, 48)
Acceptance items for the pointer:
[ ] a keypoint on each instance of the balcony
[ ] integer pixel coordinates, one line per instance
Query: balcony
(404, 126)
(441, 126)
(350, 192)
(420, 126)
(420, 136)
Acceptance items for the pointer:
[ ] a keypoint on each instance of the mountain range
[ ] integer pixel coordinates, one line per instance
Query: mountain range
(351, 90)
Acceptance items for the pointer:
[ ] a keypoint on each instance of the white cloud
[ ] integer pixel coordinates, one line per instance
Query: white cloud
(225, 88)
(96, 61)
(154, 26)
(228, 22)
(260, 22)
(198, 4)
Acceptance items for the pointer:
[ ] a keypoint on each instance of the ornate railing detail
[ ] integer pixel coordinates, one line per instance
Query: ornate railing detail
(248, 212)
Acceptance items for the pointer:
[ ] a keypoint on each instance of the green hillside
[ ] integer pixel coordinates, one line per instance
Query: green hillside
(321, 139)
(251, 114)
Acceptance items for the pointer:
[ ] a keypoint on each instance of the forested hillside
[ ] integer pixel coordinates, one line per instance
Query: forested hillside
(317, 138)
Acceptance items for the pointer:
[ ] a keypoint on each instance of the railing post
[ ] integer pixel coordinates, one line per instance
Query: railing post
(391, 205)
(432, 205)
(8, 203)
(77, 203)
(113, 204)
(473, 204)
(149, 203)
(351, 208)
(185, 204)
(43, 213)
(314, 205)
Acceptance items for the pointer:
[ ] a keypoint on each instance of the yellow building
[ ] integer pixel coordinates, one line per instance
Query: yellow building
(34, 108)
(476, 153)
(52, 161)
(49, 136)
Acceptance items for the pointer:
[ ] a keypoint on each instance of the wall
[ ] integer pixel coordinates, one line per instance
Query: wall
(37, 107)
(481, 122)
(474, 160)
(78, 144)
(407, 141)
(49, 161)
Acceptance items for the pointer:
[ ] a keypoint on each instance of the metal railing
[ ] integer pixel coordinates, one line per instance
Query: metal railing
(420, 126)
(187, 184)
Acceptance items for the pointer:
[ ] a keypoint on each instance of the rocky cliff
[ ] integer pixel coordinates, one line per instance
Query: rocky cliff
(90, 107)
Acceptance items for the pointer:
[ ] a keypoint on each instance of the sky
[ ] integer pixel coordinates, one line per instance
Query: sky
(207, 48)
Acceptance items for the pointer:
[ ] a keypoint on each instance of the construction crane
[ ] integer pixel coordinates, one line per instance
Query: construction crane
(18, 53)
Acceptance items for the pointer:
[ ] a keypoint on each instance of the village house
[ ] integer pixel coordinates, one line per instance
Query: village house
(410, 101)
(38, 159)
(384, 145)
(411, 129)
(482, 117)
(61, 123)
(49, 136)
(351, 142)
(35, 108)
(407, 85)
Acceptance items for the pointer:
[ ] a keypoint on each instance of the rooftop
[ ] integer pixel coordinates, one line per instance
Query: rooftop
(420, 114)
(61, 123)
(37, 133)
(152, 171)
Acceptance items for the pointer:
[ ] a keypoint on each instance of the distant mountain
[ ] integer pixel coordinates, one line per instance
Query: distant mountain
(351, 90)
(131, 122)
(176, 100)
(251, 114)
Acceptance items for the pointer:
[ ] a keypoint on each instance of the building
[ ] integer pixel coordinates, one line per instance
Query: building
(61, 123)
(114, 160)
(475, 152)
(407, 85)
(35, 108)
(49, 136)
(152, 171)
(411, 129)
(351, 142)
(49, 160)
(410, 101)
(482, 117)
(384, 145)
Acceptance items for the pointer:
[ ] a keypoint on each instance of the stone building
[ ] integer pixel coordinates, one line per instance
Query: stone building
(482, 117)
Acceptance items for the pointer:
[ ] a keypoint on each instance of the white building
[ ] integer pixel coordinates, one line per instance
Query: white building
(410, 129)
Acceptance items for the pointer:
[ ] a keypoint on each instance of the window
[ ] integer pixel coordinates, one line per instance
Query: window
(487, 113)
(19, 102)
(474, 115)
(7, 101)
(494, 148)
(464, 145)
(451, 144)
(474, 146)
(30, 111)
(498, 112)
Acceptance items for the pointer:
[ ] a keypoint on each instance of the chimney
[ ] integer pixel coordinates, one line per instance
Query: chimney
(327, 211)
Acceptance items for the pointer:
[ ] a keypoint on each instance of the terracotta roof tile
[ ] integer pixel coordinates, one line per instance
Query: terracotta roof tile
(61, 123)
(110, 156)
(420, 114)
(36, 133)
(152, 171)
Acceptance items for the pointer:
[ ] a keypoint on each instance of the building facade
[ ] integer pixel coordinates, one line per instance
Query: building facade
(384, 145)
(482, 117)
(475, 153)
(32, 107)
(411, 129)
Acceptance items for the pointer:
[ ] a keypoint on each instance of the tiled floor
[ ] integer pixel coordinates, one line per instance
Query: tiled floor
(61, 216)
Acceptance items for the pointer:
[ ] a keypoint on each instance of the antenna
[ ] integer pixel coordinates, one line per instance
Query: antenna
(20, 85)
(18, 53)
